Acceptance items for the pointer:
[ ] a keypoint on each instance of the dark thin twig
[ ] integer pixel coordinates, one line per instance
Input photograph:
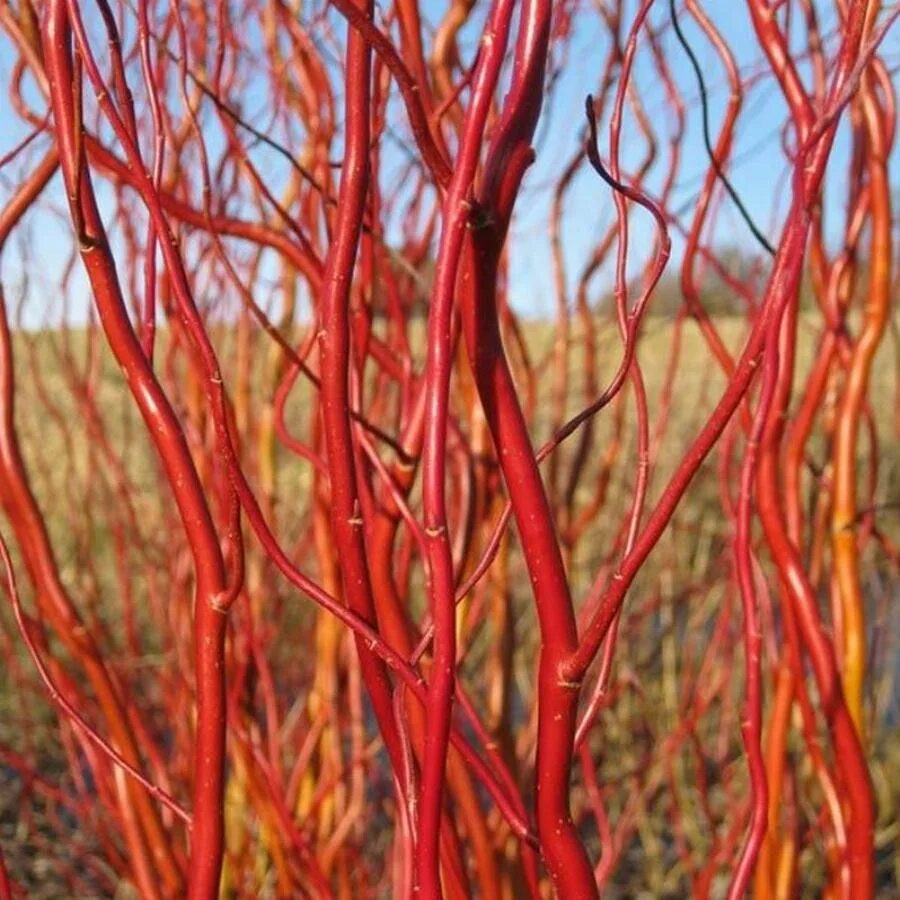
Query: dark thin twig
(707, 141)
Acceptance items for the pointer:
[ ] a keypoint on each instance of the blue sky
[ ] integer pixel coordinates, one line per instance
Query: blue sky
(758, 172)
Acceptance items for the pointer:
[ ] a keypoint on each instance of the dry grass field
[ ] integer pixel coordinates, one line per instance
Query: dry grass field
(685, 584)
